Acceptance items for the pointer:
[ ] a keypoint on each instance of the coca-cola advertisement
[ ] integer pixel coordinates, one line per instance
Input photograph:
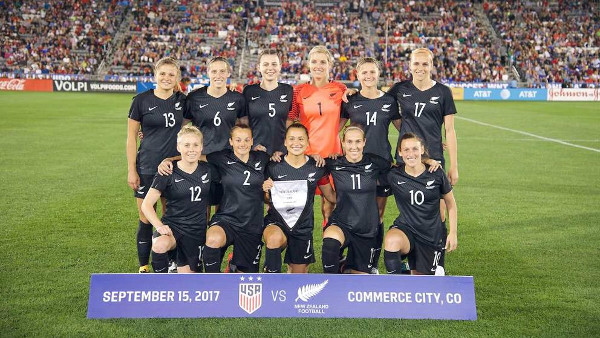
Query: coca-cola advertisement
(26, 85)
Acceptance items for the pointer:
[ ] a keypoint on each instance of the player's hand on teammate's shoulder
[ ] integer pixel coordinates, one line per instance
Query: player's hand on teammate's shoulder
(349, 92)
(433, 164)
(165, 167)
(277, 156)
(320, 161)
(260, 147)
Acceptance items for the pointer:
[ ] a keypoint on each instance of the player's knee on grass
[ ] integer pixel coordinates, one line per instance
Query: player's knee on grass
(330, 255)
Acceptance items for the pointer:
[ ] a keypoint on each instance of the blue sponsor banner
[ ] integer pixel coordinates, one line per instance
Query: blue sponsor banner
(281, 295)
(506, 94)
(144, 86)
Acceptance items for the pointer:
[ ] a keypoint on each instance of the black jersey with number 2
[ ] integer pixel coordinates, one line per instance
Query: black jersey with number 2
(267, 112)
(214, 116)
(187, 198)
(283, 171)
(375, 116)
(356, 189)
(161, 121)
(423, 113)
(242, 202)
(418, 200)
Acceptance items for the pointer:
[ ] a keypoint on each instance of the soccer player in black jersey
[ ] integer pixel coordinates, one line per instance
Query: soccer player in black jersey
(425, 106)
(159, 113)
(354, 221)
(418, 231)
(215, 109)
(268, 104)
(239, 220)
(183, 225)
(289, 222)
(374, 111)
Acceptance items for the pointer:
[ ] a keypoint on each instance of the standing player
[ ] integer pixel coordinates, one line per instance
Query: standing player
(418, 231)
(268, 104)
(159, 112)
(239, 220)
(373, 110)
(425, 106)
(354, 221)
(183, 225)
(289, 224)
(317, 105)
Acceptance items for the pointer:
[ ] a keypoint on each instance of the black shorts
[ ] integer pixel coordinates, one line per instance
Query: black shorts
(423, 257)
(361, 250)
(189, 249)
(246, 247)
(299, 248)
(384, 191)
(145, 184)
(216, 193)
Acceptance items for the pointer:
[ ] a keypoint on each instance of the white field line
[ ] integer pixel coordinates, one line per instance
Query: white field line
(529, 134)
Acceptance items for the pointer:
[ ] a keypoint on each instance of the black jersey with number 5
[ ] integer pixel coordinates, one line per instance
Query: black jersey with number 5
(161, 121)
(423, 113)
(283, 171)
(242, 203)
(375, 116)
(267, 112)
(418, 200)
(214, 116)
(356, 189)
(187, 198)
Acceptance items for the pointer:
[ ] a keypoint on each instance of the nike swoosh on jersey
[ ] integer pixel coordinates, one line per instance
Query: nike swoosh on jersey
(209, 264)
(254, 98)
(307, 256)
(339, 168)
(406, 95)
(179, 180)
(229, 162)
(152, 108)
(281, 176)
(401, 182)
(357, 106)
(203, 105)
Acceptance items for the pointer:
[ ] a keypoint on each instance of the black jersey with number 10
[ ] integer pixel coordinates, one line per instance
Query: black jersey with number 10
(267, 112)
(160, 121)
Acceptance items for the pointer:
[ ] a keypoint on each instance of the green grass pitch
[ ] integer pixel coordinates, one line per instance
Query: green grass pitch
(528, 223)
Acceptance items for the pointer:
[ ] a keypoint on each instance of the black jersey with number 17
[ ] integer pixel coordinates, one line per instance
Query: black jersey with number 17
(283, 171)
(356, 190)
(187, 198)
(267, 112)
(214, 116)
(423, 113)
(160, 121)
(418, 200)
(375, 116)
(242, 203)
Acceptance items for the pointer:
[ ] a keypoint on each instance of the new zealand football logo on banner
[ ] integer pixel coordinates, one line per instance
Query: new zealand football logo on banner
(250, 295)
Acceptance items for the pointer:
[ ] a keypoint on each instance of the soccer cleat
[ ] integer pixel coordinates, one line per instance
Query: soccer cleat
(405, 268)
(343, 264)
(172, 267)
(144, 269)
(374, 271)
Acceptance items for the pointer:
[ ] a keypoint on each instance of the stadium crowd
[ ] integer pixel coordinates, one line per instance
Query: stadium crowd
(550, 44)
(66, 37)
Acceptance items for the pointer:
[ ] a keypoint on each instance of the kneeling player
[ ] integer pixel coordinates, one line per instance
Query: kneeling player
(289, 222)
(418, 231)
(183, 226)
(354, 221)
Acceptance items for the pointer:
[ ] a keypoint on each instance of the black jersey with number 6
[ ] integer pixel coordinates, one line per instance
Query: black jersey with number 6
(283, 171)
(161, 121)
(418, 200)
(356, 189)
(267, 112)
(423, 113)
(187, 198)
(214, 116)
(375, 116)
(242, 202)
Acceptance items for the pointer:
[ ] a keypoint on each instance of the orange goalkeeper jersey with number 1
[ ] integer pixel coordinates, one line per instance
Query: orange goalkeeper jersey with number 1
(319, 111)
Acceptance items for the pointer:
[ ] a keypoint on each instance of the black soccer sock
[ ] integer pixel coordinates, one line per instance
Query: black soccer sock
(393, 263)
(273, 260)
(211, 256)
(160, 262)
(378, 244)
(144, 242)
(172, 255)
(330, 255)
